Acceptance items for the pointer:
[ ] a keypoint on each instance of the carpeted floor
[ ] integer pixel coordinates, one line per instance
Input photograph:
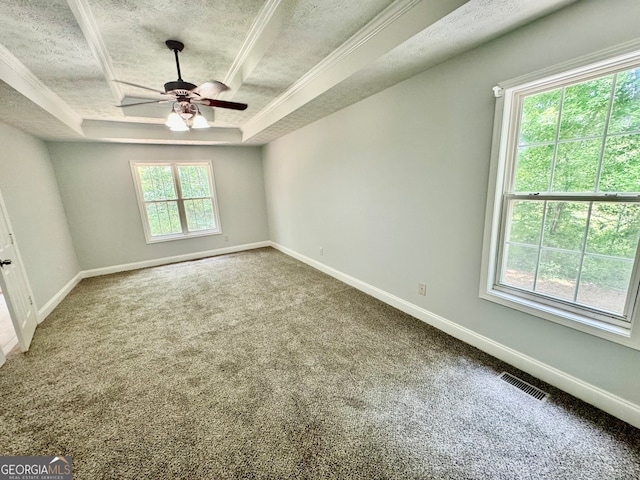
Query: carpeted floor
(254, 365)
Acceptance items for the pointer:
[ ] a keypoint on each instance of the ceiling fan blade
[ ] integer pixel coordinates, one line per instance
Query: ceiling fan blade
(210, 89)
(222, 104)
(142, 103)
(141, 86)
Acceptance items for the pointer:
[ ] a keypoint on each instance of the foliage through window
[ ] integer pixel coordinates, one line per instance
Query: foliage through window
(176, 199)
(569, 197)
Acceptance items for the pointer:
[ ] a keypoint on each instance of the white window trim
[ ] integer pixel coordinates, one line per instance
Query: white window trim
(505, 120)
(142, 204)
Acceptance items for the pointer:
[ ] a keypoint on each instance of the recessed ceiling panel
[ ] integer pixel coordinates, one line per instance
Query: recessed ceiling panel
(45, 37)
(312, 30)
(135, 31)
(64, 55)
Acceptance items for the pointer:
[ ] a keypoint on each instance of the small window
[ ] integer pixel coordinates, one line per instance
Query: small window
(176, 200)
(565, 217)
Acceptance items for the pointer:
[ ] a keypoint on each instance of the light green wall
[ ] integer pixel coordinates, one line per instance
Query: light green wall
(394, 189)
(30, 192)
(98, 194)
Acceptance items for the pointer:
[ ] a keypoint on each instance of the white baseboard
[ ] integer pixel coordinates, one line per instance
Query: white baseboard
(58, 297)
(177, 258)
(612, 404)
(9, 346)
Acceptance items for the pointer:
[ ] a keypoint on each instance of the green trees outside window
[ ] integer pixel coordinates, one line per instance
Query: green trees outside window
(572, 211)
(178, 199)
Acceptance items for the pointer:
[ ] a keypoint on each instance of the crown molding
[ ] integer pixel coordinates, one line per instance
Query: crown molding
(15, 74)
(393, 26)
(264, 30)
(91, 32)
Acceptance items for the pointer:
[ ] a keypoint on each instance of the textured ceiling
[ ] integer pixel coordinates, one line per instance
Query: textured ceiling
(292, 61)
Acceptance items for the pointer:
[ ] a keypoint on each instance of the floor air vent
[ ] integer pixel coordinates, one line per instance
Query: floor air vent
(524, 386)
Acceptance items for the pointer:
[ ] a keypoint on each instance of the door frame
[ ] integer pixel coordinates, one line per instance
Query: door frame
(6, 291)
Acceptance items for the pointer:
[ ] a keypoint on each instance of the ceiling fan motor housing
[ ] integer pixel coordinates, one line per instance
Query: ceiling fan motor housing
(178, 85)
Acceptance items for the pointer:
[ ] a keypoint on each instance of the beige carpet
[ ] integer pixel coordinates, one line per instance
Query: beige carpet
(254, 365)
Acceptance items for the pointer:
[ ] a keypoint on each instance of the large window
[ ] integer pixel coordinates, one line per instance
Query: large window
(176, 200)
(565, 218)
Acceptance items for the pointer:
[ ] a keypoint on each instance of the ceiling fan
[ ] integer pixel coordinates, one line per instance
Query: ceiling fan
(186, 97)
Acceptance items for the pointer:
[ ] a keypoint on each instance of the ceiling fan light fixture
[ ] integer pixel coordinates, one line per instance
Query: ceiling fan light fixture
(176, 123)
(200, 122)
(185, 113)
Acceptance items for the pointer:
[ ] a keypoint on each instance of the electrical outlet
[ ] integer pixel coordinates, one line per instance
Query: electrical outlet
(422, 288)
(321, 251)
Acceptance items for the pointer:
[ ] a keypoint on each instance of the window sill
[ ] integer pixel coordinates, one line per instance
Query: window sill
(181, 236)
(607, 331)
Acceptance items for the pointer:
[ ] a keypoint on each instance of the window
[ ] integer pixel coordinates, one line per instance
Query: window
(176, 200)
(564, 220)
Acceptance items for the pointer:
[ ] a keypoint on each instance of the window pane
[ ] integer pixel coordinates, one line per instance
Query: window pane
(585, 108)
(560, 239)
(610, 250)
(526, 222)
(577, 166)
(520, 266)
(625, 116)
(604, 283)
(621, 165)
(540, 118)
(614, 230)
(557, 274)
(194, 181)
(565, 224)
(157, 183)
(199, 214)
(533, 169)
(163, 218)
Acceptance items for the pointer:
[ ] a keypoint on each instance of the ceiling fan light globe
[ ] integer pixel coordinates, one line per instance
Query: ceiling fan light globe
(176, 123)
(182, 128)
(200, 122)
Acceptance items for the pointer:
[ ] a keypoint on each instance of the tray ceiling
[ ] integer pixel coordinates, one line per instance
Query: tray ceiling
(292, 61)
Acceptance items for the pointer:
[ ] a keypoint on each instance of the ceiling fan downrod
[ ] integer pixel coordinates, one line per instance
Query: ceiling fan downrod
(176, 46)
(178, 85)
